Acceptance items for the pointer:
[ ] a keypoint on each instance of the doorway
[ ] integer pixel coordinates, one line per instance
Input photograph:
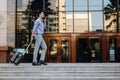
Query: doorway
(114, 50)
(88, 49)
(58, 49)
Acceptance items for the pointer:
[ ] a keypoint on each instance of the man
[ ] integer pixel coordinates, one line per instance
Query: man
(38, 31)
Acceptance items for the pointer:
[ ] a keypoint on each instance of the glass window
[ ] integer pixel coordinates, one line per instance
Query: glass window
(52, 22)
(69, 22)
(22, 4)
(51, 9)
(95, 21)
(80, 22)
(110, 15)
(106, 2)
(80, 5)
(95, 4)
(60, 17)
(22, 29)
(68, 5)
(51, 5)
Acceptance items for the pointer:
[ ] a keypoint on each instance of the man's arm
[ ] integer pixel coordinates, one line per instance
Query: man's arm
(32, 36)
(34, 30)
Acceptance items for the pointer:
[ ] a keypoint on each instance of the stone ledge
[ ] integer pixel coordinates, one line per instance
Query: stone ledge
(4, 48)
(5, 54)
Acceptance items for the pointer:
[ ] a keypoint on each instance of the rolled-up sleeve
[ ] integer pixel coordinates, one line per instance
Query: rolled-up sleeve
(35, 27)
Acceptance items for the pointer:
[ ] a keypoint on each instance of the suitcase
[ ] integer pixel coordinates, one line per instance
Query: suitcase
(19, 54)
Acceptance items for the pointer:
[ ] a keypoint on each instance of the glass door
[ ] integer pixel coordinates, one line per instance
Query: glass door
(58, 49)
(113, 50)
(53, 47)
(83, 51)
(88, 49)
(95, 46)
(65, 48)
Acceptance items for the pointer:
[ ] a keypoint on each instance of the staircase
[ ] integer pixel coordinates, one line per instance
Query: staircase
(61, 71)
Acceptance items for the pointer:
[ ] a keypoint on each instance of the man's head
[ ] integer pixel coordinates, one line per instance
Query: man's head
(42, 14)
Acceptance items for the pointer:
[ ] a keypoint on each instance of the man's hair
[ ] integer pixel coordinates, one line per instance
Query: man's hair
(41, 11)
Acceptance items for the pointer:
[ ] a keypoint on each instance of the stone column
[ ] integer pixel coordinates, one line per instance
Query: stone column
(7, 28)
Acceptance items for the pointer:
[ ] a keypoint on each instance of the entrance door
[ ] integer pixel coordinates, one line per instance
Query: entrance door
(88, 49)
(83, 52)
(58, 49)
(95, 46)
(114, 50)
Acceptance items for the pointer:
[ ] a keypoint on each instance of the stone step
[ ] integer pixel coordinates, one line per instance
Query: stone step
(75, 69)
(61, 66)
(60, 78)
(60, 74)
(61, 71)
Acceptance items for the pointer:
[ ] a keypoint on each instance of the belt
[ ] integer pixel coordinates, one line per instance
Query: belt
(38, 34)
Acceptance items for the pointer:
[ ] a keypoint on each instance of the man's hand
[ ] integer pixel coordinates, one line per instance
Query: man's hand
(31, 39)
(32, 36)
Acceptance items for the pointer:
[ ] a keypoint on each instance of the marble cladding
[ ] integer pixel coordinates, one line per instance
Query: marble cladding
(7, 22)
(11, 29)
(3, 20)
(3, 28)
(3, 37)
(3, 5)
(11, 5)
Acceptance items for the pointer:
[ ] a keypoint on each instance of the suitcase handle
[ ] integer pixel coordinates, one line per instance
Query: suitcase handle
(27, 48)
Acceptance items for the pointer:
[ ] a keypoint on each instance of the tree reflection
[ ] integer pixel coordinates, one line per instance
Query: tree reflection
(111, 13)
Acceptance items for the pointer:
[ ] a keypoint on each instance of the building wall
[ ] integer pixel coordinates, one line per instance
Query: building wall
(7, 22)
(3, 22)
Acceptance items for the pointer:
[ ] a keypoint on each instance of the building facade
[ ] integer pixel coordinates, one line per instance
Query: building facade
(77, 30)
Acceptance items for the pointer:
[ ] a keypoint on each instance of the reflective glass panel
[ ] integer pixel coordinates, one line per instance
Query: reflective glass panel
(80, 5)
(80, 22)
(110, 16)
(95, 21)
(112, 48)
(52, 22)
(51, 5)
(53, 50)
(22, 29)
(69, 22)
(68, 5)
(95, 49)
(51, 8)
(95, 4)
(65, 50)
(83, 51)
